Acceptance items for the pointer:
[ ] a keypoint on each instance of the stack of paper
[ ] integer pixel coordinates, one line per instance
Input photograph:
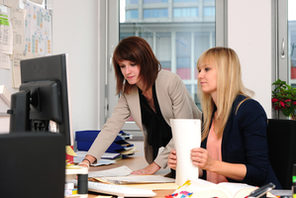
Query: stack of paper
(125, 136)
(110, 156)
(129, 150)
(107, 158)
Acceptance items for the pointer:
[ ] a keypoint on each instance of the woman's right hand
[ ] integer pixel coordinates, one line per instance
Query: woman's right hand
(84, 163)
(172, 159)
(87, 161)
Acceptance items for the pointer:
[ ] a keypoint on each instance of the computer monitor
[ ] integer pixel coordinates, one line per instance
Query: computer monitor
(42, 101)
(32, 165)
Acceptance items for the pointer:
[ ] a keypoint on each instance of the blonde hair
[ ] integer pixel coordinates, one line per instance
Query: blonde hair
(229, 85)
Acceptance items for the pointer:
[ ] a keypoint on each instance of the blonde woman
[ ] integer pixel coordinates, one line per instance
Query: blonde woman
(234, 144)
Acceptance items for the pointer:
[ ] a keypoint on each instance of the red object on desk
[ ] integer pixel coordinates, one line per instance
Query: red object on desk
(70, 158)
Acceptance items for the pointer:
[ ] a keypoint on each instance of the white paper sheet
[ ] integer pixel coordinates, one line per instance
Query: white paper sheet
(118, 171)
(18, 24)
(38, 32)
(16, 70)
(5, 62)
(186, 135)
(138, 179)
(11, 3)
(6, 34)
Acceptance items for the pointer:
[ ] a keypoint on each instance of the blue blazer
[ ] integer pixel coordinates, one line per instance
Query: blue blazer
(244, 141)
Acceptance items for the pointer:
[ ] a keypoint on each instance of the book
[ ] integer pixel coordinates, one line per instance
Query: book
(205, 189)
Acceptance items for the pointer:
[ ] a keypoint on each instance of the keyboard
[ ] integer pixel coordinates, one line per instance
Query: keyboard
(120, 191)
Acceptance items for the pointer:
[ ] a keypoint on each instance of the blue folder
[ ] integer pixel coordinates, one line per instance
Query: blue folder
(86, 138)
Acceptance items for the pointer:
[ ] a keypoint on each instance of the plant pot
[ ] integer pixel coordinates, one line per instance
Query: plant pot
(281, 137)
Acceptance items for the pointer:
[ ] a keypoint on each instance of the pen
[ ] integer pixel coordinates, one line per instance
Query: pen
(261, 191)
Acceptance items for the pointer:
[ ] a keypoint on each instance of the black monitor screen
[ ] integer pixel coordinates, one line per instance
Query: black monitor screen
(32, 165)
(42, 101)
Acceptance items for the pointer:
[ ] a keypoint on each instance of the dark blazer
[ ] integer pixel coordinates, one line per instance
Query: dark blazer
(244, 141)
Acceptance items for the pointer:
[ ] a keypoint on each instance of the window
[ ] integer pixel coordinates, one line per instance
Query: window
(209, 11)
(132, 1)
(155, 1)
(209, 1)
(132, 14)
(176, 1)
(285, 45)
(292, 41)
(183, 54)
(163, 49)
(175, 32)
(185, 12)
(155, 13)
(286, 41)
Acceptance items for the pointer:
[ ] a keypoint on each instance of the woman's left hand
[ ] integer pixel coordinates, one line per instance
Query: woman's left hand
(148, 170)
(200, 157)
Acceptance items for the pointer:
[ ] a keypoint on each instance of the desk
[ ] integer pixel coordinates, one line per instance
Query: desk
(138, 162)
(133, 163)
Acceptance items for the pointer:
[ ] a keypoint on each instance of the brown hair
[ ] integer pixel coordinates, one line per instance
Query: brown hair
(138, 51)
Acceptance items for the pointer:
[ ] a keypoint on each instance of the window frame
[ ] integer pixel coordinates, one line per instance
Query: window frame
(281, 67)
(110, 27)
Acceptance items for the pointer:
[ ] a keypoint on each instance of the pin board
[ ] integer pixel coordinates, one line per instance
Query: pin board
(25, 32)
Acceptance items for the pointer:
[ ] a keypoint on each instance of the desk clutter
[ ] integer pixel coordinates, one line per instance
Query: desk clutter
(122, 175)
(76, 181)
(110, 182)
(119, 181)
(119, 148)
(204, 189)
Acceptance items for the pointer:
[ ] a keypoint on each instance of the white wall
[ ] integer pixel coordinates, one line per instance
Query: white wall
(4, 124)
(249, 34)
(75, 27)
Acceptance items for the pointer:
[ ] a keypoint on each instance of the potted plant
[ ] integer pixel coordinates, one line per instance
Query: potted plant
(281, 133)
(284, 99)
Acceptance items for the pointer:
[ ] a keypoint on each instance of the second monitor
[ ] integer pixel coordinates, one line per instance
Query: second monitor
(42, 101)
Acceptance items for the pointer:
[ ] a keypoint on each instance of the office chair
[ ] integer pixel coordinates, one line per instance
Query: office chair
(281, 137)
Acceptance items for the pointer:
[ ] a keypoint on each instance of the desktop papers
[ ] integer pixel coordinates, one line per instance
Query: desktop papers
(137, 179)
(112, 172)
(106, 159)
(110, 156)
(122, 175)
